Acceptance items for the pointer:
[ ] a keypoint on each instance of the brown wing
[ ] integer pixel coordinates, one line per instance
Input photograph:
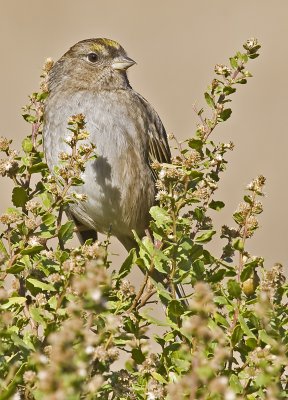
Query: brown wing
(158, 147)
(159, 150)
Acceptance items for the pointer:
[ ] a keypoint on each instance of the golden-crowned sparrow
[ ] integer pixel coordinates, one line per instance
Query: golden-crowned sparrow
(91, 79)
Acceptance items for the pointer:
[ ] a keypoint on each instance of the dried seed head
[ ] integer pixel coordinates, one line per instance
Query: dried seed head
(78, 119)
(149, 365)
(30, 223)
(250, 44)
(126, 289)
(257, 185)
(32, 205)
(10, 218)
(34, 241)
(29, 376)
(221, 69)
(8, 166)
(161, 195)
(48, 65)
(202, 299)
(63, 156)
(41, 299)
(4, 143)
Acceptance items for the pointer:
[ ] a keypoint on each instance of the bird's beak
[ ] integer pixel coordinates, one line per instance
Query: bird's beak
(123, 63)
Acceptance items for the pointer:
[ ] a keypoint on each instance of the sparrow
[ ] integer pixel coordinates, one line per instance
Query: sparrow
(91, 79)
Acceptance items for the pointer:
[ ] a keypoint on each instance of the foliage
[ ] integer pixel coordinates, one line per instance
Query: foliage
(66, 317)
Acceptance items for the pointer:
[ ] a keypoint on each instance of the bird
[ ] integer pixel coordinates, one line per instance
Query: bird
(91, 79)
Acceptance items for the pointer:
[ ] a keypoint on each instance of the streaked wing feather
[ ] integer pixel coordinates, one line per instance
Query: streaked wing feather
(159, 150)
(158, 147)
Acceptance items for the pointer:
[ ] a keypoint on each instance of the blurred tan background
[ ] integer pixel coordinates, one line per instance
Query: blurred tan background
(176, 45)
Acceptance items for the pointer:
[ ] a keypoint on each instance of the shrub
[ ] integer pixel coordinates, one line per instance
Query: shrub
(66, 316)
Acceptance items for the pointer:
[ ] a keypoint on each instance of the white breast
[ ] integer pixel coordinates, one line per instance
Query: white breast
(118, 183)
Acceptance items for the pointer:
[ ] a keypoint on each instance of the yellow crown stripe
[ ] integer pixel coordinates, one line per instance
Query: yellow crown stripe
(102, 44)
(110, 43)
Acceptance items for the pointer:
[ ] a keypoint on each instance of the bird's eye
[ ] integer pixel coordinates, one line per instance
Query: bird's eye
(92, 57)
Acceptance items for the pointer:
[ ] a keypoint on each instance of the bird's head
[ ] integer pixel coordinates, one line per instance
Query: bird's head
(98, 64)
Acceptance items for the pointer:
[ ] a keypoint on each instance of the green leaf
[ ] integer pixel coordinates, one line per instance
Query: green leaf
(32, 250)
(228, 90)
(254, 50)
(47, 199)
(20, 343)
(252, 56)
(251, 343)
(233, 62)
(195, 177)
(234, 289)
(160, 261)
(263, 335)
(19, 196)
(216, 205)
(197, 252)
(238, 244)
(27, 145)
(12, 301)
(13, 210)
(247, 272)
(138, 356)
(160, 216)
(127, 264)
(42, 96)
(245, 327)
(10, 389)
(198, 269)
(236, 335)
(3, 249)
(242, 81)
(221, 320)
(29, 339)
(245, 59)
(163, 293)
(221, 300)
(15, 268)
(152, 254)
(38, 167)
(217, 276)
(205, 372)
(48, 219)
(205, 237)
(154, 321)
(36, 315)
(41, 285)
(186, 244)
(174, 309)
(53, 301)
(248, 199)
(66, 231)
(238, 218)
(264, 380)
(198, 214)
(235, 384)
(251, 266)
(195, 144)
(209, 100)
(225, 114)
(29, 118)
(141, 245)
(158, 377)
